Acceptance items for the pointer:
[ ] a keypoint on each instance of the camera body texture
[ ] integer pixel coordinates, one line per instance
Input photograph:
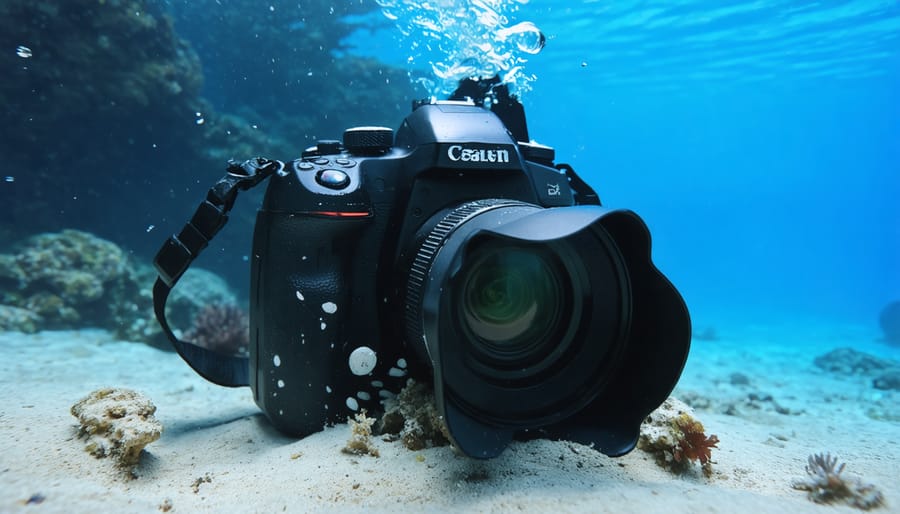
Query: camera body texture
(454, 254)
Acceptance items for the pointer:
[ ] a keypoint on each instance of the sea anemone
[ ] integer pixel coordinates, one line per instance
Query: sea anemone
(826, 485)
(222, 328)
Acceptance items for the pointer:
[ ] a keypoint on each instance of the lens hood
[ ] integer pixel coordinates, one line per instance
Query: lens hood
(611, 354)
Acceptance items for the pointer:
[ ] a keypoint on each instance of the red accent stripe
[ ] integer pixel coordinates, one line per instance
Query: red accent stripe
(342, 214)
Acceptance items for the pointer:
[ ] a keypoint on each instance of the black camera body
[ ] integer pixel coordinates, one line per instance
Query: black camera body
(457, 254)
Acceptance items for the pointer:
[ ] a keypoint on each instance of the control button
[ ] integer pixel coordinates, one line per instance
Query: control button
(328, 147)
(347, 163)
(304, 166)
(368, 140)
(333, 179)
(321, 161)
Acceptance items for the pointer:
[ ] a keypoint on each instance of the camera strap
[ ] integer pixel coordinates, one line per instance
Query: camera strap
(179, 251)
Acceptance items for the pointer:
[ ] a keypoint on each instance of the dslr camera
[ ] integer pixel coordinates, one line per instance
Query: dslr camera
(457, 253)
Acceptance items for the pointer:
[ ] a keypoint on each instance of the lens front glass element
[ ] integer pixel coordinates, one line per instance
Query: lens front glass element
(513, 299)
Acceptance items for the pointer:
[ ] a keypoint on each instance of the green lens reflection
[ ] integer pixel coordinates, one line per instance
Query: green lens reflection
(512, 298)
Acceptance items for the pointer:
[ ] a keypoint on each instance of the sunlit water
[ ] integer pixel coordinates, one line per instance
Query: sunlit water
(455, 40)
(756, 138)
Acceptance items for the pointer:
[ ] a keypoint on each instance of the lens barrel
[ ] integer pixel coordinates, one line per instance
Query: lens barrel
(521, 331)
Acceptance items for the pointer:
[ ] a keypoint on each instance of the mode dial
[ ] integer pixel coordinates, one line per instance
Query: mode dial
(368, 140)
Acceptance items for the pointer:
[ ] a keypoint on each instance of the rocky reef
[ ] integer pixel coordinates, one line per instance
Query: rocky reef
(119, 114)
(73, 279)
(104, 87)
(60, 279)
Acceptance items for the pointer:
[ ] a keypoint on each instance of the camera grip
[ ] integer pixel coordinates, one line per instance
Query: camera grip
(298, 328)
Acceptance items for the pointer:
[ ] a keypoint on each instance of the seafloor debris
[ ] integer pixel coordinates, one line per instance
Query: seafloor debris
(413, 416)
(826, 485)
(889, 380)
(847, 361)
(117, 423)
(676, 438)
(361, 442)
(890, 322)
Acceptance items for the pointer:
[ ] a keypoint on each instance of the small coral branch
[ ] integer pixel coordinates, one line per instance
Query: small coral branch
(692, 443)
(826, 485)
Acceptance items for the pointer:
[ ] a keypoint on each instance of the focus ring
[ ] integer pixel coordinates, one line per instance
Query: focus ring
(428, 250)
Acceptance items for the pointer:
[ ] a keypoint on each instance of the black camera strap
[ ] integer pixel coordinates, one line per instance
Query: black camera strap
(178, 252)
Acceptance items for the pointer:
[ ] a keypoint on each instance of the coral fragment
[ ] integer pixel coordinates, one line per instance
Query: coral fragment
(360, 442)
(117, 423)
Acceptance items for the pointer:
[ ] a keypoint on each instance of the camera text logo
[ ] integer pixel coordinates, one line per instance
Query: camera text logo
(458, 153)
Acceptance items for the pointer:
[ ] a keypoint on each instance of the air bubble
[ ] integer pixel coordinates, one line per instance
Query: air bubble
(300, 296)
(394, 372)
(526, 36)
(329, 307)
(23, 51)
(364, 396)
(352, 404)
(281, 384)
(276, 360)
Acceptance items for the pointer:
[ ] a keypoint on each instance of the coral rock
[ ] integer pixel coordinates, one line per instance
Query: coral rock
(62, 277)
(15, 318)
(413, 416)
(676, 438)
(117, 423)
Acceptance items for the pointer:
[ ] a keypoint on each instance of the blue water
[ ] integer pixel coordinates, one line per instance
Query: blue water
(759, 140)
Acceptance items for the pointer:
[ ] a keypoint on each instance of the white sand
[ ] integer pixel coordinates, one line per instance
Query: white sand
(218, 434)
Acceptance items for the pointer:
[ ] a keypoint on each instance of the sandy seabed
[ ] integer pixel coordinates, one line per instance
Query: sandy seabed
(218, 453)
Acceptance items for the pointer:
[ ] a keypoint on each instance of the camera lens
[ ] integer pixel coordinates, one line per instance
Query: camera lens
(523, 319)
(512, 302)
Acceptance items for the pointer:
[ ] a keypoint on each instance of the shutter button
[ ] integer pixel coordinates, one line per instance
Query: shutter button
(333, 179)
